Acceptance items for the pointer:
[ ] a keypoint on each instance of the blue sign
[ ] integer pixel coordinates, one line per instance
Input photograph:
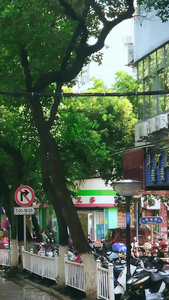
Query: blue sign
(157, 168)
(127, 218)
(151, 220)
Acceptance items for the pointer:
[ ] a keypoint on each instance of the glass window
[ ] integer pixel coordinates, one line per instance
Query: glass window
(167, 102)
(152, 80)
(146, 67)
(140, 70)
(160, 57)
(153, 105)
(153, 75)
(146, 84)
(160, 80)
(161, 103)
(147, 107)
(167, 54)
(167, 78)
(140, 102)
(147, 103)
(153, 62)
(140, 108)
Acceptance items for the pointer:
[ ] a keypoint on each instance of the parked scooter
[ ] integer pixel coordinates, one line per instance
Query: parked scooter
(150, 279)
(163, 249)
(120, 285)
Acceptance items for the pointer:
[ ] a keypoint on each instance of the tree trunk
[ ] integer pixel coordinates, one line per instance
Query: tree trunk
(90, 275)
(54, 184)
(54, 175)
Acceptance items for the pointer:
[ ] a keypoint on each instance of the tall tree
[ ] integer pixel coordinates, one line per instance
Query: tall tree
(45, 44)
(126, 83)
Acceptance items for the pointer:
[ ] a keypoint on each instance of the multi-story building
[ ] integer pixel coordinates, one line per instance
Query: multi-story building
(151, 56)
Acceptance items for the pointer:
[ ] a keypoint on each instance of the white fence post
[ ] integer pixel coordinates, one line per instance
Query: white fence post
(22, 260)
(56, 266)
(98, 264)
(31, 252)
(66, 269)
(111, 281)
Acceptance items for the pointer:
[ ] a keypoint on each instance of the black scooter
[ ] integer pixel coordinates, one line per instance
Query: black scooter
(147, 280)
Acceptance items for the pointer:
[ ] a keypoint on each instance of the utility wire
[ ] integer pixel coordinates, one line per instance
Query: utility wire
(104, 94)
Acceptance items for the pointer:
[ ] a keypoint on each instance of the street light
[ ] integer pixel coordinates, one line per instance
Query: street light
(127, 188)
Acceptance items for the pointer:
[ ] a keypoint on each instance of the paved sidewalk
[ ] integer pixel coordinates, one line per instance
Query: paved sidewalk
(24, 290)
(22, 285)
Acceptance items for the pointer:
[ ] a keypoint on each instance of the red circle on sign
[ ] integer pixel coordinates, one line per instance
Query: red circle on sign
(24, 195)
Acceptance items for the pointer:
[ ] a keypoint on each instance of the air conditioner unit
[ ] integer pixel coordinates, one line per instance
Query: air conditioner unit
(141, 130)
(164, 118)
(157, 122)
(155, 204)
(161, 121)
(128, 39)
(137, 133)
(151, 125)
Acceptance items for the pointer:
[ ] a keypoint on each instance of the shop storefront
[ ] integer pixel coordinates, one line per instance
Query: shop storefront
(96, 207)
(157, 183)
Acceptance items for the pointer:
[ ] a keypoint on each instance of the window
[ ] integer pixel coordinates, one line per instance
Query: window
(140, 70)
(167, 54)
(153, 75)
(146, 66)
(152, 62)
(160, 58)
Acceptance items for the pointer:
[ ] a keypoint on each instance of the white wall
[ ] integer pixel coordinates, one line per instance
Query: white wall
(149, 34)
(94, 184)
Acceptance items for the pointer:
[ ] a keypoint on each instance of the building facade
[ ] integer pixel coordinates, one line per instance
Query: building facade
(151, 56)
(96, 207)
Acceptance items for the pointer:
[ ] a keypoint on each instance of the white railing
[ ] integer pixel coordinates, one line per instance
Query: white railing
(74, 274)
(5, 257)
(105, 282)
(40, 265)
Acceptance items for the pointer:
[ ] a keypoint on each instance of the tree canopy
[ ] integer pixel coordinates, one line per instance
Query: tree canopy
(44, 45)
(161, 7)
(89, 132)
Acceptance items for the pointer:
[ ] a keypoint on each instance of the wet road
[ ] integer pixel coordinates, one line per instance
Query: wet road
(23, 291)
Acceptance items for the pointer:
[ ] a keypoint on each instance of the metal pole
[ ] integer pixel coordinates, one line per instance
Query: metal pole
(128, 274)
(24, 224)
(136, 218)
(152, 227)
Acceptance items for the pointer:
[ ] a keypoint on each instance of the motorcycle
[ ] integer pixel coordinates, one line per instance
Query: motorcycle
(147, 281)
(120, 284)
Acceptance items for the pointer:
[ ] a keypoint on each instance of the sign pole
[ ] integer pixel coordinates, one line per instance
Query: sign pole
(24, 226)
(24, 196)
(152, 233)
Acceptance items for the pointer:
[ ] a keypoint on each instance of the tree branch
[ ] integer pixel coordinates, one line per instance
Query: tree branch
(55, 105)
(81, 29)
(82, 51)
(98, 11)
(108, 26)
(17, 157)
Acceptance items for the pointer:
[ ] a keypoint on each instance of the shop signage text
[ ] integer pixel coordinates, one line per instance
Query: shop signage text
(157, 168)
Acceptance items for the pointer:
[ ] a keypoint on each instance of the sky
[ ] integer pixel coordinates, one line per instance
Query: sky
(115, 57)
